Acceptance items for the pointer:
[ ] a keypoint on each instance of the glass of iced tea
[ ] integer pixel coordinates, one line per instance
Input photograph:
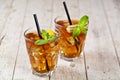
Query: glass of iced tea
(70, 47)
(43, 57)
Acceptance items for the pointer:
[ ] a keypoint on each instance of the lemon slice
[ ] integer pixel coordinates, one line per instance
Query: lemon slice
(50, 32)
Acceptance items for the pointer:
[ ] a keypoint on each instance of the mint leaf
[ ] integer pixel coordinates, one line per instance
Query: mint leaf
(40, 42)
(81, 26)
(76, 31)
(52, 38)
(46, 38)
(83, 21)
(84, 30)
(45, 34)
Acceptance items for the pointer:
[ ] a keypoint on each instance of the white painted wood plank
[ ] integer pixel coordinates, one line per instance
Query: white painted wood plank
(101, 60)
(112, 11)
(43, 9)
(5, 9)
(10, 43)
(100, 55)
(64, 70)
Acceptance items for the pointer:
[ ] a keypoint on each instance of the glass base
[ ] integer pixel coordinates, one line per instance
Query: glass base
(69, 59)
(42, 74)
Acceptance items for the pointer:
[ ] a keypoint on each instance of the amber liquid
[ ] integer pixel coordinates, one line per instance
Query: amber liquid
(70, 47)
(43, 58)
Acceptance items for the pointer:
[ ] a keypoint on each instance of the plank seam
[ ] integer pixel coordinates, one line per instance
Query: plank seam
(20, 40)
(6, 19)
(85, 65)
(1, 39)
(51, 24)
(109, 27)
(86, 73)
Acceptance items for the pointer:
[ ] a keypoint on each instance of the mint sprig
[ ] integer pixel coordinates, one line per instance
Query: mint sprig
(46, 38)
(81, 26)
(44, 34)
(41, 42)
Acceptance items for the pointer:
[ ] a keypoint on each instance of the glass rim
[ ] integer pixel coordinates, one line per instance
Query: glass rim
(26, 37)
(55, 20)
(33, 30)
(65, 19)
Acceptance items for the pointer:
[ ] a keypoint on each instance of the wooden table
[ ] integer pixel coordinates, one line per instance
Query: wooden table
(101, 57)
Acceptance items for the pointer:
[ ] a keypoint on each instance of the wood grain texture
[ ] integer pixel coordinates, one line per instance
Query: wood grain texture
(101, 59)
(5, 10)
(112, 12)
(10, 44)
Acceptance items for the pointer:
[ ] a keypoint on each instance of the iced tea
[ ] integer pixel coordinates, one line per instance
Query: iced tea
(71, 48)
(43, 58)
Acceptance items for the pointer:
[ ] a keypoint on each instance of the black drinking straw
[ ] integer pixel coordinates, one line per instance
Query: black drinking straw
(38, 30)
(37, 25)
(66, 10)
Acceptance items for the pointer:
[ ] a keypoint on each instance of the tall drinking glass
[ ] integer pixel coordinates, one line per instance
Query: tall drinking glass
(70, 47)
(43, 58)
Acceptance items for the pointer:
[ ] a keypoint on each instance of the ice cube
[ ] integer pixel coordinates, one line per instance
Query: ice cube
(71, 40)
(70, 28)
